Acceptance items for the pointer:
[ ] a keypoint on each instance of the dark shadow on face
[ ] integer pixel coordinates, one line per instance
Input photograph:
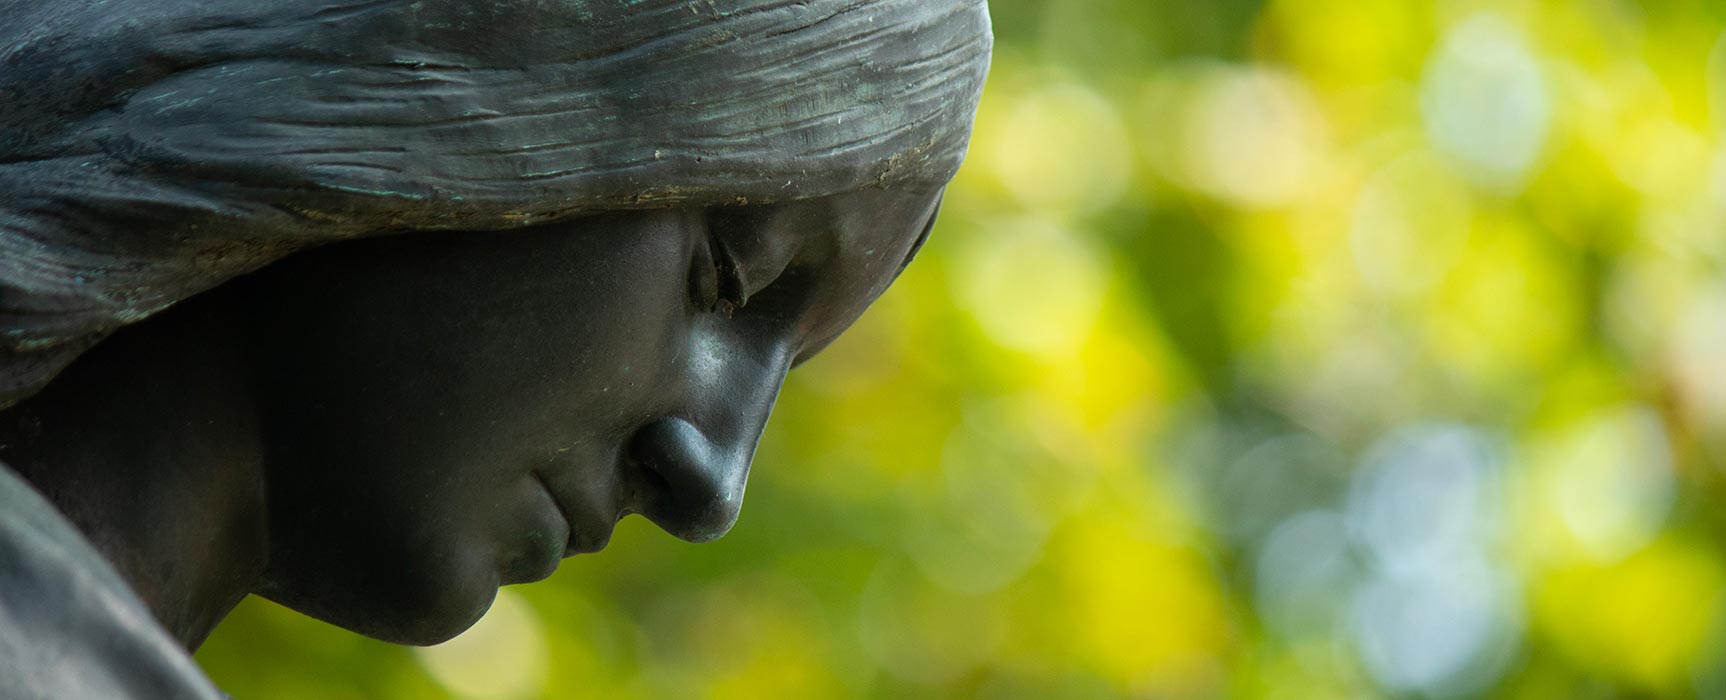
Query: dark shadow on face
(445, 413)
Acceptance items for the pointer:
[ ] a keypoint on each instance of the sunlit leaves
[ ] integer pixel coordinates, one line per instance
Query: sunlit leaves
(1297, 349)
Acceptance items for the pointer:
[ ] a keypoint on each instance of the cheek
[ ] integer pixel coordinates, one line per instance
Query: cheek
(592, 349)
(569, 338)
(466, 354)
(412, 390)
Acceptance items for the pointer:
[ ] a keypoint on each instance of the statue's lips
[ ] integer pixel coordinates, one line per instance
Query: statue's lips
(581, 540)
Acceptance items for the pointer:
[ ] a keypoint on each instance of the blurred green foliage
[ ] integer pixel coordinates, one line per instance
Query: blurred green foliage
(1266, 349)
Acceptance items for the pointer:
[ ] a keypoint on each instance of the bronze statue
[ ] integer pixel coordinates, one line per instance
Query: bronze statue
(372, 306)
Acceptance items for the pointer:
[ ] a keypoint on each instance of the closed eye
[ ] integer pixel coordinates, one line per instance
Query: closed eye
(715, 279)
(732, 291)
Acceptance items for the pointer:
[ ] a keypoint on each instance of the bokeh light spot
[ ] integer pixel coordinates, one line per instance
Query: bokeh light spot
(1033, 285)
(1614, 481)
(1061, 147)
(1487, 103)
(1303, 575)
(1425, 493)
(1146, 613)
(1645, 619)
(1697, 357)
(502, 657)
(1447, 629)
(1410, 224)
(1253, 137)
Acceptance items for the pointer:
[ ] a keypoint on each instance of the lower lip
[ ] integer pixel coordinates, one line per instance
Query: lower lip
(575, 547)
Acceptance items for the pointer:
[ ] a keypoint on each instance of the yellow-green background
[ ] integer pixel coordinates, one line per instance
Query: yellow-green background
(1287, 349)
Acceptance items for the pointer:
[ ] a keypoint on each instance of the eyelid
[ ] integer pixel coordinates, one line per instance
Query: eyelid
(733, 289)
(703, 276)
(756, 250)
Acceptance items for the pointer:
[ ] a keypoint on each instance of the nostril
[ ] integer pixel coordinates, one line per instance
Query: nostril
(695, 488)
(672, 449)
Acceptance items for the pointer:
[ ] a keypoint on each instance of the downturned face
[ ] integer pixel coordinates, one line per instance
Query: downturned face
(445, 413)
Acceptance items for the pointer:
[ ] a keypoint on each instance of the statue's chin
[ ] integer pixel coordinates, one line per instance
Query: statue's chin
(395, 607)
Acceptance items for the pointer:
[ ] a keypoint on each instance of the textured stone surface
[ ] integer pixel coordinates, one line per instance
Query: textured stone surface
(69, 627)
(151, 149)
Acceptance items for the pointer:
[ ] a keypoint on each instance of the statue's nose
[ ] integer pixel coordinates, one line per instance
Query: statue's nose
(694, 485)
(690, 464)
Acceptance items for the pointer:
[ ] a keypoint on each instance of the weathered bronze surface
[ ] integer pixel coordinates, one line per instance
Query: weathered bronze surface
(372, 307)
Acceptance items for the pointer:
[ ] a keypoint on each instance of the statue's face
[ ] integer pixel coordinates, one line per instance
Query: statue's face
(445, 413)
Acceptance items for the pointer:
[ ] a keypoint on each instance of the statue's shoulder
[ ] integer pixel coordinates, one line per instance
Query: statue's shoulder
(69, 626)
